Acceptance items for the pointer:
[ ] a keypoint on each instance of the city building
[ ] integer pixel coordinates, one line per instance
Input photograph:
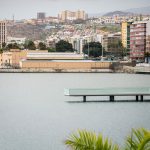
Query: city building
(3, 33)
(78, 42)
(12, 40)
(80, 14)
(148, 37)
(138, 40)
(113, 44)
(13, 57)
(125, 34)
(70, 15)
(41, 15)
(148, 43)
(110, 43)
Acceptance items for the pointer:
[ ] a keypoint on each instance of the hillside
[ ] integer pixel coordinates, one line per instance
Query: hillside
(118, 13)
(141, 10)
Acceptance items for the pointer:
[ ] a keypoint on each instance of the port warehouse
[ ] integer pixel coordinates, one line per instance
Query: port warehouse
(42, 59)
(61, 61)
(65, 64)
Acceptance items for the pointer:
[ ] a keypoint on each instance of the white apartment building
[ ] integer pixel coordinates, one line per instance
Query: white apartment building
(79, 41)
(12, 40)
(72, 15)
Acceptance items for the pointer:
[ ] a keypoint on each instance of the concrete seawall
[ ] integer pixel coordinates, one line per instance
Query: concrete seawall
(56, 71)
(74, 67)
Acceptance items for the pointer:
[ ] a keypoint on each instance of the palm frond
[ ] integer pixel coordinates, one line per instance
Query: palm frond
(139, 140)
(85, 140)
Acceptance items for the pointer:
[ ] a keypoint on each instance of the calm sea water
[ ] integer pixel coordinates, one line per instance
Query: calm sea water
(35, 114)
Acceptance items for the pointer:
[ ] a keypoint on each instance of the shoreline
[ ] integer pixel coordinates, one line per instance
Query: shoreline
(124, 69)
(56, 71)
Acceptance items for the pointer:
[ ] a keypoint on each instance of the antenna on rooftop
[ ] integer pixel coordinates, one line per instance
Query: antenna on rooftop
(13, 17)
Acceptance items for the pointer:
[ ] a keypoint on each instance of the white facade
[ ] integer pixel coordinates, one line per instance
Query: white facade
(70, 15)
(12, 40)
(148, 28)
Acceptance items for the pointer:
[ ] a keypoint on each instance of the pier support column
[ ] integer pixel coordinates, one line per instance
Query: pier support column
(84, 98)
(137, 98)
(142, 98)
(111, 98)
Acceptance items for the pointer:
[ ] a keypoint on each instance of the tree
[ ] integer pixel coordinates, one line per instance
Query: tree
(3, 45)
(116, 48)
(138, 140)
(63, 46)
(85, 140)
(147, 55)
(42, 46)
(29, 45)
(1, 51)
(12, 46)
(94, 49)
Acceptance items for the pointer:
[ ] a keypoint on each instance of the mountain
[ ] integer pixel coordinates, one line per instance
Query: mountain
(118, 13)
(127, 12)
(141, 10)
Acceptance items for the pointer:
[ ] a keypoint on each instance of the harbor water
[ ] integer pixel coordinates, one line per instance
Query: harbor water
(35, 114)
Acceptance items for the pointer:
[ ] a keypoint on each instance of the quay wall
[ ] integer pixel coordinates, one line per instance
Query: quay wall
(56, 71)
(65, 65)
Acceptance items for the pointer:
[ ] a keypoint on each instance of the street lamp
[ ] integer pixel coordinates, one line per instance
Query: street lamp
(102, 49)
(88, 49)
(102, 53)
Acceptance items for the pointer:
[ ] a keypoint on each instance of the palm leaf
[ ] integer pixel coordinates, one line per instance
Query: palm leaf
(85, 140)
(139, 140)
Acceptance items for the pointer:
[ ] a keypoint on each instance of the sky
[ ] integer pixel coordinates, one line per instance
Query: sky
(26, 9)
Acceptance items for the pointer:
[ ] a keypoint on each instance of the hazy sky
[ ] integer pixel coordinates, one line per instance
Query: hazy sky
(23, 9)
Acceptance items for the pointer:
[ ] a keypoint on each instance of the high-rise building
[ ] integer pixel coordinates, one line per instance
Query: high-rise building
(138, 40)
(125, 34)
(70, 15)
(148, 37)
(110, 43)
(41, 15)
(80, 14)
(67, 15)
(3, 33)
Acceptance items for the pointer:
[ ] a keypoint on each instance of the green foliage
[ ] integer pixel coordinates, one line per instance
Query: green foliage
(117, 48)
(42, 46)
(13, 46)
(138, 140)
(3, 45)
(63, 46)
(94, 48)
(111, 28)
(1, 51)
(85, 140)
(51, 50)
(147, 54)
(29, 45)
